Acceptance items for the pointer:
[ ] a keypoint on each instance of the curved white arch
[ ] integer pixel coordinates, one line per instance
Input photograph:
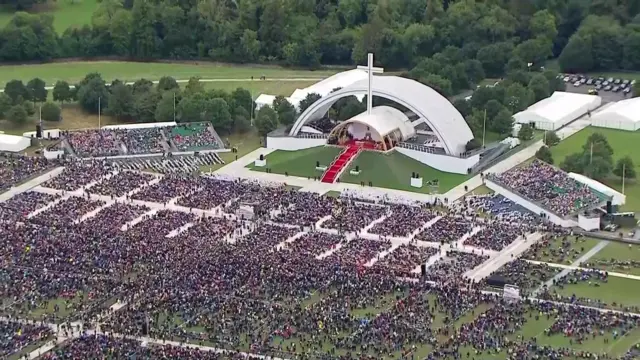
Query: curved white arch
(441, 116)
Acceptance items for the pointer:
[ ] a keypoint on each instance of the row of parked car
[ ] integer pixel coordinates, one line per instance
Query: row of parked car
(600, 83)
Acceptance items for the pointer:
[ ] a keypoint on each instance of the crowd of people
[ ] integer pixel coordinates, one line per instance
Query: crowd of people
(78, 174)
(549, 186)
(120, 183)
(190, 137)
(14, 336)
(142, 141)
(260, 285)
(15, 169)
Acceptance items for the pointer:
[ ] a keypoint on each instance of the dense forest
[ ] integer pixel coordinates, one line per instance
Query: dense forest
(584, 34)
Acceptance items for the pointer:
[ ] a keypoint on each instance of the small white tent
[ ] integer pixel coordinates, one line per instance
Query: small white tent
(14, 143)
(558, 110)
(623, 115)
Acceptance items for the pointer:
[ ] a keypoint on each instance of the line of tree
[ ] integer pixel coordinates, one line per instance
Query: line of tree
(600, 33)
(141, 101)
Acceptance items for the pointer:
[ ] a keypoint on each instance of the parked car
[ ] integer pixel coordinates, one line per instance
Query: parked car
(605, 83)
(598, 82)
(598, 87)
(590, 82)
(593, 92)
(625, 82)
(616, 88)
(627, 90)
(566, 79)
(610, 79)
(577, 83)
(607, 88)
(616, 81)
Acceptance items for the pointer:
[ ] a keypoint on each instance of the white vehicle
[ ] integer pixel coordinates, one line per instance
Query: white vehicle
(577, 83)
(566, 79)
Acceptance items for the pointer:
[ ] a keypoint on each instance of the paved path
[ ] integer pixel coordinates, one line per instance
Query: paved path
(588, 255)
(508, 254)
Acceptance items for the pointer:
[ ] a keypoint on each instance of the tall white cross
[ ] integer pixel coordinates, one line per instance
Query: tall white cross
(370, 69)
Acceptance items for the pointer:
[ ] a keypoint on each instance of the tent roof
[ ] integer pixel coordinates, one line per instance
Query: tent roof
(384, 120)
(11, 139)
(559, 105)
(628, 110)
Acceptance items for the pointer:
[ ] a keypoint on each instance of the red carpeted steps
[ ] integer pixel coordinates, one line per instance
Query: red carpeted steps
(345, 157)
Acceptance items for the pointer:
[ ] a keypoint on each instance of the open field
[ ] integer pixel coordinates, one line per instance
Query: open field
(623, 143)
(617, 257)
(66, 13)
(619, 291)
(299, 163)
(394, 170)
(561, 251)
(130, 71)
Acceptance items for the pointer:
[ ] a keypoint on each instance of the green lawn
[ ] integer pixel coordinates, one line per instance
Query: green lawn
(621, 291)
(617, 257)
(257, 87)
(623, 143)
(555, 251)
(66, 13)
(130, 71)
(394, 170)
(299, 163)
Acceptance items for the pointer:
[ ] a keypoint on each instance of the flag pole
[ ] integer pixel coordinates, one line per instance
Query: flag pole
(484, 126)
(99, 112)
(624, 170)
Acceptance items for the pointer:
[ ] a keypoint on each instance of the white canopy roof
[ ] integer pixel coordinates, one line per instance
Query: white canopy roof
(624, 115)
(384, 120)
(558, 109)
(13, 143)
(618, 197)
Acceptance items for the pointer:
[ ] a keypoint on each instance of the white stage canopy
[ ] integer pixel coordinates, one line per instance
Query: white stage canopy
(382, 121)
(14, 143)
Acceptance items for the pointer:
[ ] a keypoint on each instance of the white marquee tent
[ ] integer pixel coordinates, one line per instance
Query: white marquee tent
(623, 115)
(13, 143)
(558, 110)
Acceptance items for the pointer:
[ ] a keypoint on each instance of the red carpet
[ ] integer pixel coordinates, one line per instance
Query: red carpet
(341, 161)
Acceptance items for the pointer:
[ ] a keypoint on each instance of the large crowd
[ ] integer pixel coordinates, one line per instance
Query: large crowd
(193, 137)
(549, 186)
(15, 169)
(261, 286)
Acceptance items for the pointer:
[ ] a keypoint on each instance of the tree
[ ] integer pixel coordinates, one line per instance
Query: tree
(625, 167)
(551, 138)
(194, 86)
(5, 105)
(62, 91)
(142, 85)
(144, 106)
(543, 24)
(473, 144)
(539, 85)
(266, 120)
(503, 122)
(525, 133)
(474, 71)
(217, 112)
(544, 154)
(573, 163)
(598, 145)
(50, 112)
(577, 55)
(241, 123)
(167, 83)
(93, 95)
(15, 89)
(286, 112)
(438, 83)
(518, 98)
(242, 97)
(120, 101)
(598, 167)
(308, 101)
(17, 114)
(165, 108)
(36, 90)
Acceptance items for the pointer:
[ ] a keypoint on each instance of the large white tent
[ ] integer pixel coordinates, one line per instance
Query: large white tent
(623, 115)
(322, 88)
(558, 110)
(13, 143)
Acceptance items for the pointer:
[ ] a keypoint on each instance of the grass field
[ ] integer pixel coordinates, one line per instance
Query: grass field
(623, 143)
(299, 163)
(394, 171)
(559, 253)
(621, 291)
(617, 257)
(66, 13)
(130, 71)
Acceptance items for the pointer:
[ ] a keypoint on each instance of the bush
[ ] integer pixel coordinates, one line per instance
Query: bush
(50, 112)
(473, 144)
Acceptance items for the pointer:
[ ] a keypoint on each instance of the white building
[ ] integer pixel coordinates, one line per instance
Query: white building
(323, 88)
(14, 143)
(558, 110)
(623, 115)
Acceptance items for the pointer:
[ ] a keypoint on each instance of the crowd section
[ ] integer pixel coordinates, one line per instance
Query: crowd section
(142, 141)
(225, 281)
(453, 265)
(549, 186)
(527, 276)
(403, 221)
(78, 174)
(558, 249)
(23, 204)
(499, 206)
(315, 243)
(93, 143)
(16, 168)
(353, 216)
(67, 211)
(121, 183)
(15, 336)
(497, 235)
(193, 137)
(405, 259)
(446, 230)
